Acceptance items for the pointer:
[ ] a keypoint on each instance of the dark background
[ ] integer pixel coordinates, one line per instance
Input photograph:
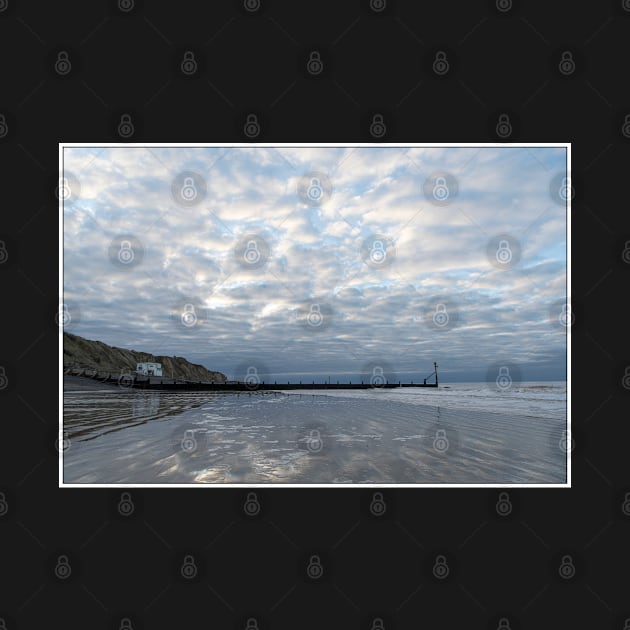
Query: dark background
(377, 569)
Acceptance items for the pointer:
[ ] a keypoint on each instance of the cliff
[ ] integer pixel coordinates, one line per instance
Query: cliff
(85, 353)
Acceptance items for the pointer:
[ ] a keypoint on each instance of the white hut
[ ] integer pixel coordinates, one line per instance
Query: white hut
(149, 369)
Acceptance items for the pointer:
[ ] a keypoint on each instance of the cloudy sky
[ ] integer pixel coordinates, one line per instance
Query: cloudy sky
(310, 262)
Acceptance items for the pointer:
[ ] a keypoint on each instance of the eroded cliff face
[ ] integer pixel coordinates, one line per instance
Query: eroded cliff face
(86, 353)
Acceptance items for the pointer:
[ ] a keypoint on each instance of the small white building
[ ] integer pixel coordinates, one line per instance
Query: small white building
(149, 369)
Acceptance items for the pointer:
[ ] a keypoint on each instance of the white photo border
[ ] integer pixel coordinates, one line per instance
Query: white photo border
(107, 145)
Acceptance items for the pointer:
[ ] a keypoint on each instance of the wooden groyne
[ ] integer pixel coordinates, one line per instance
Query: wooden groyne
(131, 380)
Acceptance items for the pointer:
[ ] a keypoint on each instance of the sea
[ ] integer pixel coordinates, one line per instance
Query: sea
(457, 434)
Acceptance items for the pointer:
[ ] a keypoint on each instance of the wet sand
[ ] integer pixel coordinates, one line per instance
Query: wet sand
(125, 436)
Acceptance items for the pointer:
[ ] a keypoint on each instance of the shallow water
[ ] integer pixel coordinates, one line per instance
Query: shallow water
(461, 433)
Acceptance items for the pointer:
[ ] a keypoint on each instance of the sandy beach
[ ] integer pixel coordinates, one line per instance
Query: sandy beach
(125, 436)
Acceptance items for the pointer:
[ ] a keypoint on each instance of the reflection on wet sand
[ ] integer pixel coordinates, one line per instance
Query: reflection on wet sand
(209, 437)
(86, 417)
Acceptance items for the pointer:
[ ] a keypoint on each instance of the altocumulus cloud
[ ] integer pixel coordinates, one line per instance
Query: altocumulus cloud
(350, 276)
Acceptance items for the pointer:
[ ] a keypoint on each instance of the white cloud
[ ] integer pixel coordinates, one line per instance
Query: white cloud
(315, 253)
